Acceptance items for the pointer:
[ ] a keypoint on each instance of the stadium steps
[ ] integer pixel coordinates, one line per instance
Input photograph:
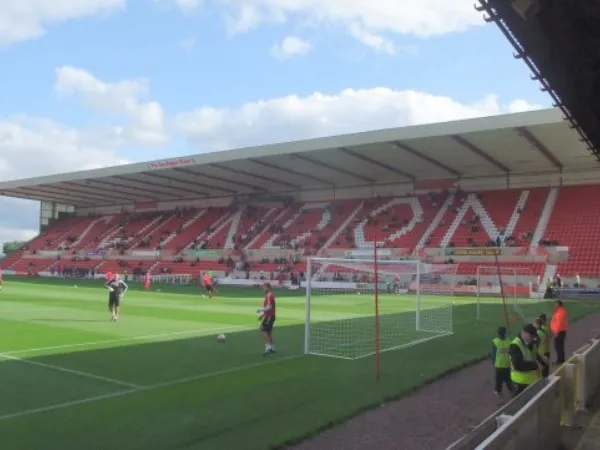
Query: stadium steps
(57, 234)
(217, 225)
(299, 227)
(264, 235)
(81, 228)
(101, 227)
(435, 223)
(325, 219)
(345, 224)
(540, 229)
(233, 229)
(148, 230)
(252, 224)
(169, 227)
(113, 225)
(174, 239)
(86, 232)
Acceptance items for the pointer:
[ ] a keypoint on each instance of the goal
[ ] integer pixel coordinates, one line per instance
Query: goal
(507, 291)
(171, 279)
(359, 307)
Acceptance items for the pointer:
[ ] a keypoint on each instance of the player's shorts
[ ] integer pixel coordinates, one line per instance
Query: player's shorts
(114, 300)
(267, 324)
(209, 287)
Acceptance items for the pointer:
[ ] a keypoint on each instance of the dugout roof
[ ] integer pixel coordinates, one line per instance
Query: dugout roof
(560, 42)
(522, 143)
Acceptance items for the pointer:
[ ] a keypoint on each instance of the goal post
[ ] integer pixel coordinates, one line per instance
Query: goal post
(506, 290)
(357, 308)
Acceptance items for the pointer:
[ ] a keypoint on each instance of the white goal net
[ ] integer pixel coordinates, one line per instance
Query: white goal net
(171, 279)
(507, 290)
(357, 308)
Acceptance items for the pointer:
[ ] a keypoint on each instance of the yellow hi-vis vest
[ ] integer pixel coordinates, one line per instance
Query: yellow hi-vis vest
(548, 332)
(529, 377)
(502, 360)
(544, 346)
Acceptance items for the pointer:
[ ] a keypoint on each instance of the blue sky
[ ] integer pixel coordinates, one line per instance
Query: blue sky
(88, 83)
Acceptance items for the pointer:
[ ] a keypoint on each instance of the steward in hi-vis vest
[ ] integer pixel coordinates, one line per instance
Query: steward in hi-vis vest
(543, 346)
(501, 361)
(525, 361)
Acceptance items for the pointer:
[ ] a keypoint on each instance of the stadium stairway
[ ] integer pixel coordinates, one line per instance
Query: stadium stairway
(56, 234)
(540, 230)
(575, 223)
(337, 240)
(10, 260)
(252, 222)
(167, 227)
(192, 229)
(99, 228)
(21, 267)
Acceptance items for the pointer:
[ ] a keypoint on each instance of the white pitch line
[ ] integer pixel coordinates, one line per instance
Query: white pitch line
(26, 309)
(70, 371)
(129, 339)
(145, 388)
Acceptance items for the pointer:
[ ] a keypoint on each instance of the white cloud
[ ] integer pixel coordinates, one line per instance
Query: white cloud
(28, 19)
(289, 47)
(352, 110)
(120, 98)
(33, 147)
(16, 234)
(517, 106)
(423, 18)
(375, 41)
(189, 5)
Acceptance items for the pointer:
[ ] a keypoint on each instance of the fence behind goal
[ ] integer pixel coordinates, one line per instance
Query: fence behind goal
(507, 291)
(358, 307)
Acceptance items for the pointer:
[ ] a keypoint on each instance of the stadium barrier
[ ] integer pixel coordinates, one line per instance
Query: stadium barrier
(533, 420)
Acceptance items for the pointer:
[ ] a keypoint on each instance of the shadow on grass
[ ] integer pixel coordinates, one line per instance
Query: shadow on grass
(197, 393)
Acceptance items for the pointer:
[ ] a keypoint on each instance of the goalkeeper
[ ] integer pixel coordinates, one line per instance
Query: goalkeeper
(267, 319)
(116, 289)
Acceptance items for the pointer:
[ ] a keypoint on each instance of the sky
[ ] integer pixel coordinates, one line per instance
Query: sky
(93, 83)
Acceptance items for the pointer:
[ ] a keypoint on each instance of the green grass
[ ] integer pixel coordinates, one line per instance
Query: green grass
(158, 379)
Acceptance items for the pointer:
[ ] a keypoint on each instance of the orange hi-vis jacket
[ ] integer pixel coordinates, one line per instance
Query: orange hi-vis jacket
(560, 320)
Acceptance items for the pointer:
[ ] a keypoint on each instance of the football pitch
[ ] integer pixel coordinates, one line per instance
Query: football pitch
(159, 379)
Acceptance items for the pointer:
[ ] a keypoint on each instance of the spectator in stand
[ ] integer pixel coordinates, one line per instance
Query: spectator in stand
(559, 326)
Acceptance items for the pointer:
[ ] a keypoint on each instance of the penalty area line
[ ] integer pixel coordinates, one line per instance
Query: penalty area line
(70, 371)
(130, 339)
(148, 388)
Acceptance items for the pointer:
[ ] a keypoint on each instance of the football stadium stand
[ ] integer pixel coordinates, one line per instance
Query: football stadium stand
(520, 183)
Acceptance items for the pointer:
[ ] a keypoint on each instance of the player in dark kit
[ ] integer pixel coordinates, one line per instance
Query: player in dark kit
(267, 318)
(116, 288)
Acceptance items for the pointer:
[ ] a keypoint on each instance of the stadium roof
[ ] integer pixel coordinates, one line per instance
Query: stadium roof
(522, 143)
(558, 40)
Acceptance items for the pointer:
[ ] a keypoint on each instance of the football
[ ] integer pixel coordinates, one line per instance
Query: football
(221, 338)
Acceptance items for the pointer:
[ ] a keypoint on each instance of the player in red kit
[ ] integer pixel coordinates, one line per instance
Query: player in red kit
(208, 284)
(267, 318)
(147, 282)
